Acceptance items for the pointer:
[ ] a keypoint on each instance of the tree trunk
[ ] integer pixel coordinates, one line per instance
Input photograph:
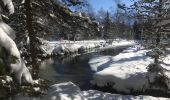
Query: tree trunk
(32, 36)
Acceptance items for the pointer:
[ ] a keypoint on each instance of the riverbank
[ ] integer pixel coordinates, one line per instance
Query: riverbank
(127, 69)
(65, 47)
(127, 72)
(69, 91)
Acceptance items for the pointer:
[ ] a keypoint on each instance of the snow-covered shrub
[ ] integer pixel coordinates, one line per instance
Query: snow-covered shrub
(156, 73)
(157, 77)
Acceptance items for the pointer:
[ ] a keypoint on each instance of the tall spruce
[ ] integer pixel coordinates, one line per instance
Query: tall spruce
(106, 27)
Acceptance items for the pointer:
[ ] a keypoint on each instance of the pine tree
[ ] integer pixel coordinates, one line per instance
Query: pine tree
(106, 27)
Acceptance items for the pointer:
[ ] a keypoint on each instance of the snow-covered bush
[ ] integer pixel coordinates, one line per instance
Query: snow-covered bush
(157, 77)
(156, 72)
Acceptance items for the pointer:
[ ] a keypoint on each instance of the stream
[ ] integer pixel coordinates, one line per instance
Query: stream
(74, 68)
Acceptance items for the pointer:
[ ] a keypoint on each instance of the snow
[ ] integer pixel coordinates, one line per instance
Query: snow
(129, 58)
(18, 67)
(65, 46)
(8, 30)
(125, 72)
(69, 91)
(64, 91)
(9, 5)
(6, 41)
(119, 43)
(98, 95)
(7, 36)
(122, 42)
(20, 70)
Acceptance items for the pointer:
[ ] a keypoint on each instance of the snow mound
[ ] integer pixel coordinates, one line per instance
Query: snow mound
(69, 91)
(122, 42)
(125, 72)
(64, 91)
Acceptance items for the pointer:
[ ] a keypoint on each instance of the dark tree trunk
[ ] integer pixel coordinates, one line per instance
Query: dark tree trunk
(158, 35)
(32, 36)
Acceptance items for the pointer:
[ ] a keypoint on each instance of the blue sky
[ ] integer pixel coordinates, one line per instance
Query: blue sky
(106, 4)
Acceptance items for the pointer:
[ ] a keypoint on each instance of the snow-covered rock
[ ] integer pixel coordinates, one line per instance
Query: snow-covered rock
(58, 50)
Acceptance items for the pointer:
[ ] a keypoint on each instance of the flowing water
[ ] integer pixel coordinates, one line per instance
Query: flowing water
(74, 68)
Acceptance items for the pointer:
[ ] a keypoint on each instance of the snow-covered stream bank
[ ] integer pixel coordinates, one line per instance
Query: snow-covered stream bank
(126, 72)
(123, 73)
(65, 47)
(69, 91)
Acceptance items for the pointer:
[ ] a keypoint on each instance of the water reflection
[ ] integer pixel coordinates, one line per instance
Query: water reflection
(73, 68)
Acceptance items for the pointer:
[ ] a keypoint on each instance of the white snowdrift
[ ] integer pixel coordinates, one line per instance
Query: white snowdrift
(122, 42)
(125, 72)
(64, 91)
(69, 91)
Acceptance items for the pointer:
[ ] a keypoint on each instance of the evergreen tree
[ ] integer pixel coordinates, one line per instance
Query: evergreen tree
(106, 27)
(48, 18)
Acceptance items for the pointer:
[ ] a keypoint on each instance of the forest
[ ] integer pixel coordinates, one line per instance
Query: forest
(84, 50)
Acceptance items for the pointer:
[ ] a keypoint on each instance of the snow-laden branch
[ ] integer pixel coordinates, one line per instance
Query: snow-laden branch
(18, 66)
(13, 58)
(9, 5)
